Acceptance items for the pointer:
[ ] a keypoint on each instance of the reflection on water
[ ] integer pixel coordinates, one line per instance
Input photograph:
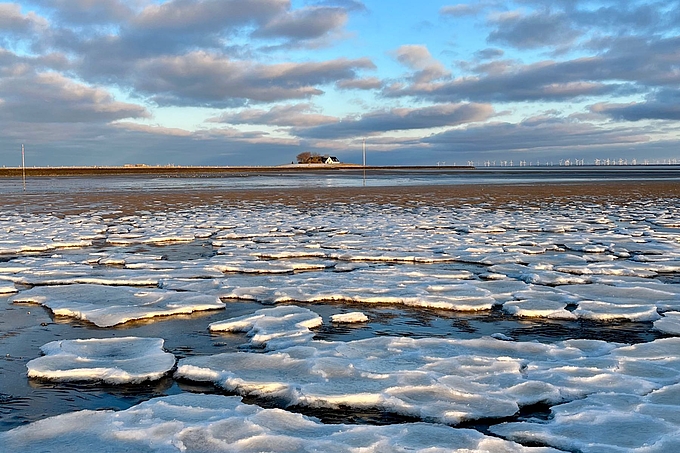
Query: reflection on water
(338, 178)
(389, 320)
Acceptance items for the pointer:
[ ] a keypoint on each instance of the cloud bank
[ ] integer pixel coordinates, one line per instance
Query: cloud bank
(81, 80)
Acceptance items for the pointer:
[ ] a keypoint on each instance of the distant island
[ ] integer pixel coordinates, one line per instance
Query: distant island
(175, 170)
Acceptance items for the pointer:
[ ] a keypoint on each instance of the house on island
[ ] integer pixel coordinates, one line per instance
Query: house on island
(331, 160)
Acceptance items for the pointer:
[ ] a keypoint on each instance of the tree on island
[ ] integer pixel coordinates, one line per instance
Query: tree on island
(307, 157)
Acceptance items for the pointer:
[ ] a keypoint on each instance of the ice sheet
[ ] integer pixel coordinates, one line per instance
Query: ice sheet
(352, 317)
(196, 423)
(608, 422)
(571, 259)
(273, 328)
(670, 323)
(442, 380)
(422, 256)
(107, 306)
(7, 288)
(125, 360)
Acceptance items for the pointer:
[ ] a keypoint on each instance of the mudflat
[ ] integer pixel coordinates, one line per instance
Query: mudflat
(500, 195)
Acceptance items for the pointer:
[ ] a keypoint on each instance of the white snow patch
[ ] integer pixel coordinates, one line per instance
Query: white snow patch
(607, 422)
(194, 422)
(352, 317)
(272, 328)
(108, 306)
(126, 360)
(670, 323)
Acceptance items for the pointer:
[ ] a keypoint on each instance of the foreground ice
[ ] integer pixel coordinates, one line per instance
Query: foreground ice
(443, 380)
(107, 306)
(201, 423)
(562, 259)
(608, 422)
(127, 360)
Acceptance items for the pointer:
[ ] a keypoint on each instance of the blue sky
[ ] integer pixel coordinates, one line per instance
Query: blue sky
(255, 82)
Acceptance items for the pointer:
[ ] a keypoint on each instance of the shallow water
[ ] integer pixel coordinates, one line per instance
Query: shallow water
(340, 178)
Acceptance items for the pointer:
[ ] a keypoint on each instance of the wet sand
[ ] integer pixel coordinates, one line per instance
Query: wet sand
(498, 195)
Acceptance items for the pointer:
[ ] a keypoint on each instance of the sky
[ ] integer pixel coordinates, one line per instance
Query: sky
(256, 82)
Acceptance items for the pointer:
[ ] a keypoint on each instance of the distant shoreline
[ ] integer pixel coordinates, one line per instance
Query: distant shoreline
(13, 172)
(216, 171)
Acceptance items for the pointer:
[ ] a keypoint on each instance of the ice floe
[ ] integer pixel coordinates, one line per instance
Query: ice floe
(125, 360)
(273, 328)
(352, 317)
(559, 260)
(442, 380)
(367, 285)
(196, 423)
(7, 289)
(107, 306)
(442, 260)
(670, 323)
(622, 422)
(40, 233)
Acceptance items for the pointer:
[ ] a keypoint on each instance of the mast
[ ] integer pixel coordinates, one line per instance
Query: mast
(23, 166)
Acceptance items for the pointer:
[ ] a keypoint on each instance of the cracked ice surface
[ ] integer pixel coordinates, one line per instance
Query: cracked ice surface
(670, 323)
(442, 380)
(127, 360)
(622, 422)
(191, 422)
(107, 306)
(556, 254)
(273, 328)
(569, 261)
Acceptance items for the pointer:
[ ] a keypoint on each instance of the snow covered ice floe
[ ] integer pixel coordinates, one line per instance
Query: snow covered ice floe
(273, 328)
(57, 270)
(348, 318)
(605, 422)
(669, 323)
(137, 271)
(7, 289)
(438, 289)
(443, 260)
(125, 360)
(442, 380)
(41, 233)
(107, 306)
(198, 423)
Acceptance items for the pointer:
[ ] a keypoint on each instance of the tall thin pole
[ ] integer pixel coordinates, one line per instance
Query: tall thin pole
(23, 166)
(364, 152)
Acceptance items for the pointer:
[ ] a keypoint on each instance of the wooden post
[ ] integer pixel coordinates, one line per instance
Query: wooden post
(364, 152)
(23, 166)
